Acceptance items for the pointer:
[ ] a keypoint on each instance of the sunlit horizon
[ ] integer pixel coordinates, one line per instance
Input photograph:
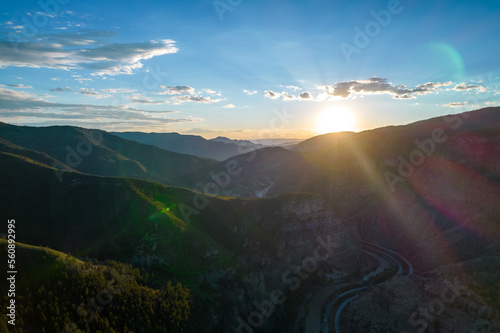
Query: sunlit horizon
(205, 71)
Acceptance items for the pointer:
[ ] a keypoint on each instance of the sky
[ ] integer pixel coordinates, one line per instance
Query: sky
(245, 69)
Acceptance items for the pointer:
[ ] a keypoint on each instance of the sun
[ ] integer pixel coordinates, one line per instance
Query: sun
(335, 120)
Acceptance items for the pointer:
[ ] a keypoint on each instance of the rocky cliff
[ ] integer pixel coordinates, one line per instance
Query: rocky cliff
(462, 297)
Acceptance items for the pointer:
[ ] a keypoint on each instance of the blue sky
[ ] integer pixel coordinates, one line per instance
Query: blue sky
(245, 69)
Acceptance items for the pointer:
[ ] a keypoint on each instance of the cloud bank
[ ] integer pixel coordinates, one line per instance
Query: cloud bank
(85, 50)
(372, 86)
(377, 85)
(20, 105)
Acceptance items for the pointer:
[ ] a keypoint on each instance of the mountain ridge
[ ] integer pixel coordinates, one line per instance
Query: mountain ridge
(190, 144)
(101, 153)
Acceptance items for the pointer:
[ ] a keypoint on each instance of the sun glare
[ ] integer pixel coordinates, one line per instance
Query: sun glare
(335, 120)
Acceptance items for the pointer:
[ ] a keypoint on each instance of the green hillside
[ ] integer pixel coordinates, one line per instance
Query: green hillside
(142, 223)
(57, 293)
(97, 216)
(100, 153)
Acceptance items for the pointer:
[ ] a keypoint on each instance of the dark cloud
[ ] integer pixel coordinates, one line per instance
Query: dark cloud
(466, 87)
(305, 95)
(65, 89)
(271, 94)
(288, 97)
(19, 86)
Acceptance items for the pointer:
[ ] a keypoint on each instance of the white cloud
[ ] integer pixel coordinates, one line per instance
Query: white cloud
(81, 50)
(22, 105)
(455, 104)
(272, 94)
(118, 90)
(139, 99)
(80, 79)
(229, 106)
(466, 87)
(288, 97)
(195, 99)
(45, 14)
(18, 86)
(209, 91)
(304, 96)
(293, 88)
(177, 90)
(377, 85)
(183, 94)
(371, 86)
(197, 130)
(93, 93)
(250, 92)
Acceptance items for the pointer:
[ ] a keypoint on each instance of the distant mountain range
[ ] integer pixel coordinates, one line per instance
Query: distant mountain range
(99, 153)
(277, 142)
(219, 148)
(237, 142)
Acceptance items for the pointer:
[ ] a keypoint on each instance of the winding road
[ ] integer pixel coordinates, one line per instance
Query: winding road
(263, 193)
(335, 297)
